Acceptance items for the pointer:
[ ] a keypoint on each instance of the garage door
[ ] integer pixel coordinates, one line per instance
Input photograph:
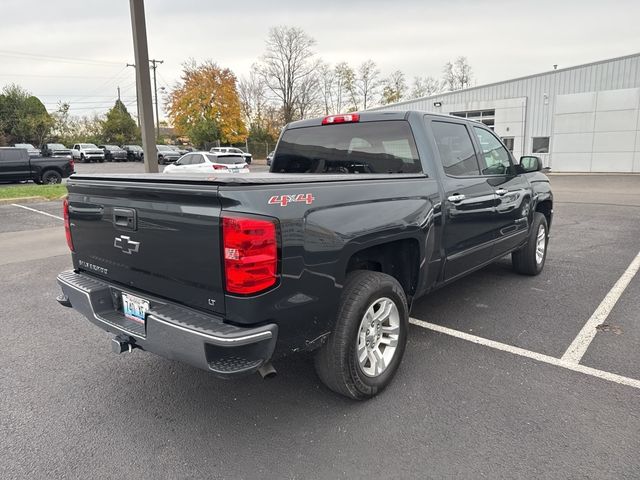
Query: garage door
(597, 132)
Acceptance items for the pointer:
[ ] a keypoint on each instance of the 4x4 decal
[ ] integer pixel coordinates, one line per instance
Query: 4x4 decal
(284, 200)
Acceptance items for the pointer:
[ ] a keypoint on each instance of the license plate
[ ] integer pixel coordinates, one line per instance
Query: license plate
(134, 308)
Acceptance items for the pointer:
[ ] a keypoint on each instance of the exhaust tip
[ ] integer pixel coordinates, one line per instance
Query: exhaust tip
(267, 371)
(63, 300)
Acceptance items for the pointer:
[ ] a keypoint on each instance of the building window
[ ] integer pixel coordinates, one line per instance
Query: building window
(508, 142)
(540, 145)
(483, 116)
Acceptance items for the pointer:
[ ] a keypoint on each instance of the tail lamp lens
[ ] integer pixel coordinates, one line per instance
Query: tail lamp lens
(67, 224)
(250, 254)
(219, 167)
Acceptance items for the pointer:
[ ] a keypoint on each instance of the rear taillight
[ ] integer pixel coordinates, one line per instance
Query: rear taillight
(67, 224)
(250, 250)
(72, 164)
(219, 167)
(346, 118)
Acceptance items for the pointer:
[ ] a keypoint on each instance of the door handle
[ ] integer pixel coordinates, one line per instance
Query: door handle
(125, 218)
(502, 191)
(456, 198)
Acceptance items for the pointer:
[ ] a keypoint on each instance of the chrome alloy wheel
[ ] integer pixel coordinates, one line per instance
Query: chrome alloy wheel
(541, 244)
(378, 337)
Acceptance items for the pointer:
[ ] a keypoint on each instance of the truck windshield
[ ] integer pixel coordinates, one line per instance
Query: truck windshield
(368, 147)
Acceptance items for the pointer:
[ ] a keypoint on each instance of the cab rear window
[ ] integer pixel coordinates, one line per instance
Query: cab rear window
(368, 147)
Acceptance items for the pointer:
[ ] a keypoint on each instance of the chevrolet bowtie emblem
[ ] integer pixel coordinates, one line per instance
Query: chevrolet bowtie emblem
(127, 245)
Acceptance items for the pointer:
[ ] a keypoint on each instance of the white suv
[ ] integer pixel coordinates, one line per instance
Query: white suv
(247, 156)
(209, 163)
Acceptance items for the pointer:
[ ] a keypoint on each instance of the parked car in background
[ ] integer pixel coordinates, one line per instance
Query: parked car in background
(207, 162)
(55, 150)
(270, 157)
(166, 154)
(113, 153)
(16, 165)
(87, 152)
(134, 152)
(33, 151)
(179, 149)
(247, 156)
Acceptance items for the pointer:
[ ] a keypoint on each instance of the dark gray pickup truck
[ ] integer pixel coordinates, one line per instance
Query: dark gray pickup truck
(360, 215)
(17, 166)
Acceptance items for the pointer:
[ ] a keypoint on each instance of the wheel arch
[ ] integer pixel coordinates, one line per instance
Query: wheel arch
(399, 258)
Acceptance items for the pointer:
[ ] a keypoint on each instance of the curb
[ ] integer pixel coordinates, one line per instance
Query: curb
(7, 201)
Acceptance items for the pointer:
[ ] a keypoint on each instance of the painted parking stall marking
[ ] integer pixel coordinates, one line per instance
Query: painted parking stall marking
(579, 346)
(540, 357)
(37, 211)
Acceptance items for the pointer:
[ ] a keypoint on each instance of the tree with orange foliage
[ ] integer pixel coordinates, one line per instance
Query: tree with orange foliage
(205, 105)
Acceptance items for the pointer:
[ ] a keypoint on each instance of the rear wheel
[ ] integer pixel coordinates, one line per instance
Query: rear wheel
(368, 341)
(530, 259)
(51, 177)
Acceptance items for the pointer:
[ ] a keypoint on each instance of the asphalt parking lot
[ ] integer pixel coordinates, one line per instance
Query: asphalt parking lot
(487, 388)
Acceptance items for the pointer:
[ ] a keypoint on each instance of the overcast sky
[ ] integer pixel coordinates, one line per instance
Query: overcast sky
(501, 39)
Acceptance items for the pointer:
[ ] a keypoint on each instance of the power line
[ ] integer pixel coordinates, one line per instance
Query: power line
(56, 58)
(35, 75)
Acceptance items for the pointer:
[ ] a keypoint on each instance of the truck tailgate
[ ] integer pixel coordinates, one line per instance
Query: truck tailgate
(163, 239)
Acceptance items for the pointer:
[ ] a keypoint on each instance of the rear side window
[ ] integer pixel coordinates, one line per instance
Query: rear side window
(368, 147)
(456, 150)
(11, 155)
(225, 160)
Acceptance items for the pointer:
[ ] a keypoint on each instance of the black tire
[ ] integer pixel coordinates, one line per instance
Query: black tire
(336, 361)
(51, 177)
(160, 160)
(83, 159)
(526, 261)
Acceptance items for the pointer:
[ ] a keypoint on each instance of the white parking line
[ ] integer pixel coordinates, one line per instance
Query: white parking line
(579, 346)
(37, 211)
(576, 367)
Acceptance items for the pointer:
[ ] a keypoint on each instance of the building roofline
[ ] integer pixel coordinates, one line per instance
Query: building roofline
(526, 77)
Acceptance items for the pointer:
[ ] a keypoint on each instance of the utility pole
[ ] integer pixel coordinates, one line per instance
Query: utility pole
(154, 63)
(143, 84)
(137, 106)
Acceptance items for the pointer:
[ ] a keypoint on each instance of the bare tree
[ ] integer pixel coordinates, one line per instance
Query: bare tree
(394, 88)
(285, 66)
(424, 87)
(252, 93)
(367, 82)
(457, 75)
(326, 76)
(342, 76)
(309, 102)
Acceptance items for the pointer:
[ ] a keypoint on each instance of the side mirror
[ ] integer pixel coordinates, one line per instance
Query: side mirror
(531, 163)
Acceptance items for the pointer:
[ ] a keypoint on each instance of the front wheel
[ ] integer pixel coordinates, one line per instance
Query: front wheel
(83, 159)
(530, 259)
(365, 349)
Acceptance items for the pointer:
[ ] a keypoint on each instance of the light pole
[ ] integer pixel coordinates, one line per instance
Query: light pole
(154, 64)
(143, 85)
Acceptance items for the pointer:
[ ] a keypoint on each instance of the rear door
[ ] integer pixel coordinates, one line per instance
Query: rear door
(469, 199)
(14, 164)
(159, 238)
(513, 192)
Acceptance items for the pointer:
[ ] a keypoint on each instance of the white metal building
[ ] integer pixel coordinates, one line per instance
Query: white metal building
(578, 119)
